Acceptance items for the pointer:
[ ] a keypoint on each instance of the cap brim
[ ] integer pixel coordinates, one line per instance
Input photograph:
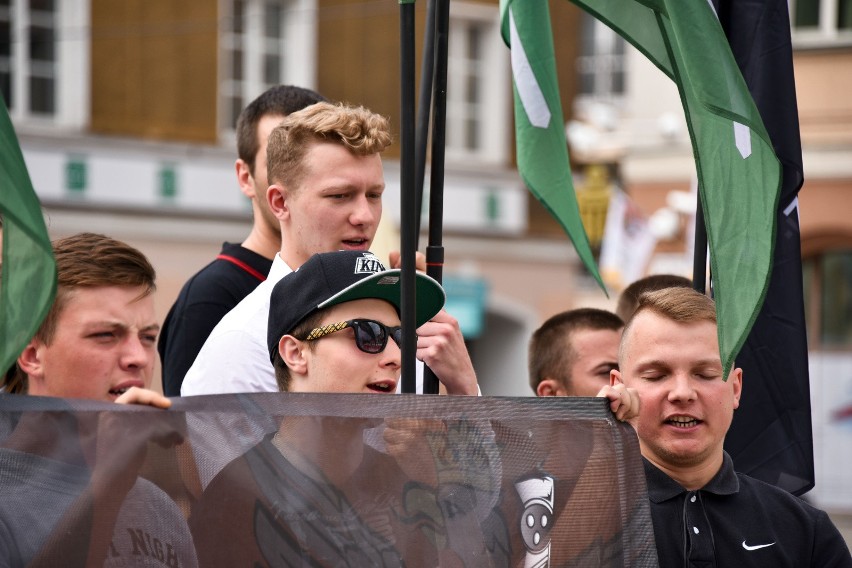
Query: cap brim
(387, 285)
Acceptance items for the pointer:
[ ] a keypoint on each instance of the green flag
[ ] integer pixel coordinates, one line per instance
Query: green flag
(739, 175)
(28, 272)
(539, 127)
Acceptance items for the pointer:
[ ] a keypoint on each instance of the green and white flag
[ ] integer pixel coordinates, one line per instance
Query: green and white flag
(739, 175)
(542, 149)
(28, 272)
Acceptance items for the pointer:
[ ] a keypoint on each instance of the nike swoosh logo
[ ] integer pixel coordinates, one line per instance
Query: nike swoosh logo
(756, 546)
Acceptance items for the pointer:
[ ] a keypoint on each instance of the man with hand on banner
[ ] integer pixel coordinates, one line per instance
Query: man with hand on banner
(326, 184)
(334, 327)
(573, 352)
(98, 342)
(704, 512)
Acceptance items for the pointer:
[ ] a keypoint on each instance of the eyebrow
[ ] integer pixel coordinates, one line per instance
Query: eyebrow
(345, 186)
(661, 364)
(114, 324)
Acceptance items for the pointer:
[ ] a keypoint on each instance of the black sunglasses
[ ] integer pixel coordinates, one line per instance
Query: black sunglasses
(371, 336)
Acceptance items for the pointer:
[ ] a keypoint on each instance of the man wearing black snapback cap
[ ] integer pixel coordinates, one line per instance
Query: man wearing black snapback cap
(334, 326)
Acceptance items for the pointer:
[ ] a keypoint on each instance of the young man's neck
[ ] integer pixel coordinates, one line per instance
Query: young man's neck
(263, 241)
(691, 478)
(292, 258)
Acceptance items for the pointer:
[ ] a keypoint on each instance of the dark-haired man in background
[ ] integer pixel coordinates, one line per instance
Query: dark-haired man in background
(239, 268)
(572, 353)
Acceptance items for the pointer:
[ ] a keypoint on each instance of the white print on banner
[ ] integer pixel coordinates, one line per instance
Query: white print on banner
(536, 519)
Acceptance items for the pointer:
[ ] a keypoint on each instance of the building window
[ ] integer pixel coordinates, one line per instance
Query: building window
(28, 56)
(601, 64)
(818, 22)
(828, 299)
(477, 83)
(40, 42)
(264, 43)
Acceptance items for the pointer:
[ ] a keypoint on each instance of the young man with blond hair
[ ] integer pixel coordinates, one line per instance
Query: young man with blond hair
(326, 185)
(704, 513)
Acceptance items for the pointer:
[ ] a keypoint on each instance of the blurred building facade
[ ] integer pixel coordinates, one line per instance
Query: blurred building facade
(125, 110)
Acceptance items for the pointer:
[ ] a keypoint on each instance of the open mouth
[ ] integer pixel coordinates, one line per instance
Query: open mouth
(355, 243)
(683, 421)
(382, 387)
(118, 392)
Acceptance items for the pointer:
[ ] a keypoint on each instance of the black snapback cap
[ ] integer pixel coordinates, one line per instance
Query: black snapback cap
(331, 278)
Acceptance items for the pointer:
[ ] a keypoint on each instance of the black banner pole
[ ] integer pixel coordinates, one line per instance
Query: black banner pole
(407, 214)
(699, 256)
(435, 250)
(424, 111)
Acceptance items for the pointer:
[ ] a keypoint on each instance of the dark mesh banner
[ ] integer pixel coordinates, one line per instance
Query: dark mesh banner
(321, 480)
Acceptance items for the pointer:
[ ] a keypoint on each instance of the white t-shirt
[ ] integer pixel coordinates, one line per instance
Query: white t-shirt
(235, 357)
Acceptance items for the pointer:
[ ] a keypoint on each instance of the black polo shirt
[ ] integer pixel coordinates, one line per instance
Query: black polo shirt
(202, 302)
(736, 521)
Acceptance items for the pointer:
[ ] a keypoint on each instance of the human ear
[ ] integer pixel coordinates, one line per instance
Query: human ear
(737, 377)
(615, 378)
(276, 198)
(550, 387)
(292, 351)
(30, 363)
(244, 178)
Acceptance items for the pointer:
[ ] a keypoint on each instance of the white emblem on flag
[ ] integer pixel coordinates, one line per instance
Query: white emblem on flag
(742, 137)
(529, 91)
(794, 205)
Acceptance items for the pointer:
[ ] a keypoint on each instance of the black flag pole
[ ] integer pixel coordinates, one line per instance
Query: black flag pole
(435, 249)
(699, 255)
(408, 237)
(424, 111)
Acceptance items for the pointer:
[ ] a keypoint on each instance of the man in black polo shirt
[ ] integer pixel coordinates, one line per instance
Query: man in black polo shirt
(704, 513)
(239, 268)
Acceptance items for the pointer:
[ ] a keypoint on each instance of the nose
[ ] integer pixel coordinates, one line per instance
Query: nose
(682, 389)
(365, 212)
(392, 355)
(135, 354)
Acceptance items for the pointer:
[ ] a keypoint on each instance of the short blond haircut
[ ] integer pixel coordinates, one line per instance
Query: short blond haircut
(681, 305)
(357, 129)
